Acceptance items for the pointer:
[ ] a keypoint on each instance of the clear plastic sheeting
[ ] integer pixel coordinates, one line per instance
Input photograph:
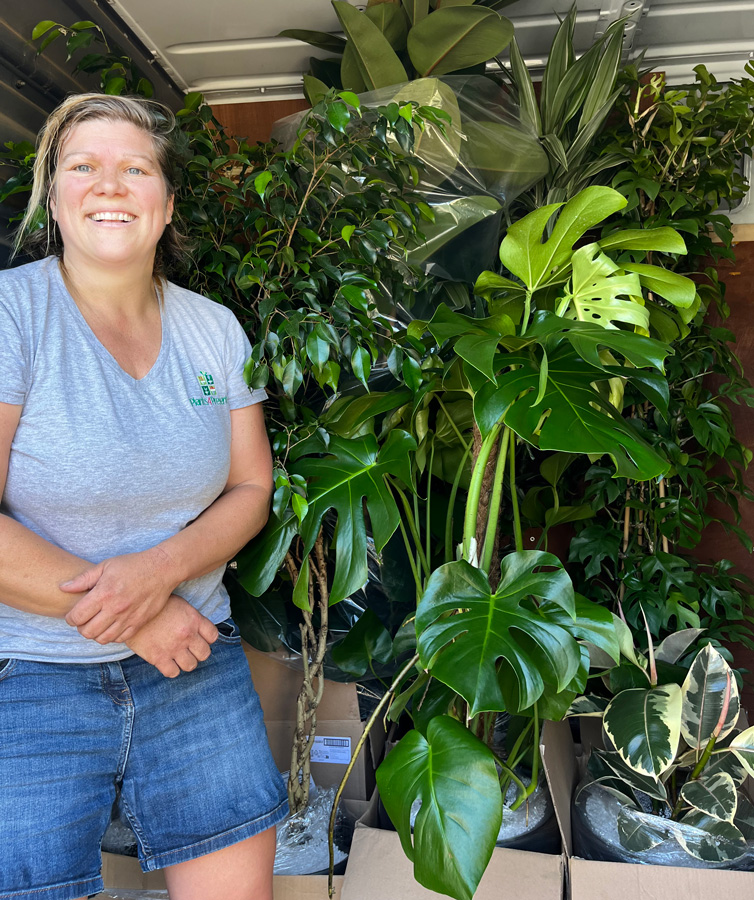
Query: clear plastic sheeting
(532, 826)
(473, 169)
(595, 823)
(302, 845)
(117, 894)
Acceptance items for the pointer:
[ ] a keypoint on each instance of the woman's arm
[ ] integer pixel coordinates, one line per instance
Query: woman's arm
(126, 592)
(31, 569)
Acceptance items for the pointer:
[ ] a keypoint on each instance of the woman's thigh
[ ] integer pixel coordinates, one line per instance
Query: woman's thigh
(200, 776)
(62, 739)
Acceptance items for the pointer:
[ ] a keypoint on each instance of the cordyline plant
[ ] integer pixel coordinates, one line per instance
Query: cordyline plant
(497, 628)
(676, 757)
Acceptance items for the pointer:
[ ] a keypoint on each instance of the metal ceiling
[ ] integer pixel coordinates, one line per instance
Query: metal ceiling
(228, 49)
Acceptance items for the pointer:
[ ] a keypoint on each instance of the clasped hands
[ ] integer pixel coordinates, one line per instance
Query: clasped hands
(129, 599)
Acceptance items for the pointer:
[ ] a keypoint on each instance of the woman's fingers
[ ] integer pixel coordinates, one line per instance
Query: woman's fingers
(186, 660)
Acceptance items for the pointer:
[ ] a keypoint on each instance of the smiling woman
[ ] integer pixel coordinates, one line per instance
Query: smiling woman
(122, 679)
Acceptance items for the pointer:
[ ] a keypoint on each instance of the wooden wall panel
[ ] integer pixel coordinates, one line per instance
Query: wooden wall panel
(739, 280)
(254, 121)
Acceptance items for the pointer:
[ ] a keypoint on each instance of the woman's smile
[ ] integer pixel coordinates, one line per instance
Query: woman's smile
(109, 197)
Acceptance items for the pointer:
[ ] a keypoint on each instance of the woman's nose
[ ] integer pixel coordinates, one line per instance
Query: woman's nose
(109, 182)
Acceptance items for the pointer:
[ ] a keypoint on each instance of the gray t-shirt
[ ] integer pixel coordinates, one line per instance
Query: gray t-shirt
(101, 463)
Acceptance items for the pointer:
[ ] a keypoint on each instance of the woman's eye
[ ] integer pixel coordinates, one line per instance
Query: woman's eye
(135, 170)
(82, 167)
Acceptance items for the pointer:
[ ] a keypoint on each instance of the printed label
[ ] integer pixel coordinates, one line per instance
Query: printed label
(331, 750)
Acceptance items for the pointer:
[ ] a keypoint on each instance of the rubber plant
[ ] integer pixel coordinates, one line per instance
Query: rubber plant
(677, 757)
(394, 41)
(497, 628)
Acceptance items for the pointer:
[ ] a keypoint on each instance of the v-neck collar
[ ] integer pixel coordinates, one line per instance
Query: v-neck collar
(100, 348)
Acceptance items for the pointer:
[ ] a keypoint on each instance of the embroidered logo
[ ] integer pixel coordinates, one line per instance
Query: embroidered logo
(208, 384)
(210, 398)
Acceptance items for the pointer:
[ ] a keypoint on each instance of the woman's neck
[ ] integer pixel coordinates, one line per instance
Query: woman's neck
(111, 293)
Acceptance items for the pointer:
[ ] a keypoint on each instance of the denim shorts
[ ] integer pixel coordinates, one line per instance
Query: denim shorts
(187, 759)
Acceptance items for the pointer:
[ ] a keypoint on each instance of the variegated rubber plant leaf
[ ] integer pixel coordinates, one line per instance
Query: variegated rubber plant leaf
(675, 645)
(645, 727)
(713, 795)
(638, 831)
(743, 747)
(609, 765)
(711, 701)
(712, 840)
(588, 705)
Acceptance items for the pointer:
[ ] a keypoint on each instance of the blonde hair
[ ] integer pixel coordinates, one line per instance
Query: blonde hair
(148, 115)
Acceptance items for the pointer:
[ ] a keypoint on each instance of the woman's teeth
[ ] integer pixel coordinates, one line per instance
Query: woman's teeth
(112, 217)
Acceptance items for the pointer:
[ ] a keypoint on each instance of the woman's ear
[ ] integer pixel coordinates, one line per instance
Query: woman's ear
(170, 205)
(51, 205)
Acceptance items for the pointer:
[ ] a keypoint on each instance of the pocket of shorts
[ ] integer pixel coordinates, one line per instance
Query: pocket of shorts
(227, 632)
(6, 667)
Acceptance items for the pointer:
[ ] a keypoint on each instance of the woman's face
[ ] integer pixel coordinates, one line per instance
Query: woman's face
(109, 196)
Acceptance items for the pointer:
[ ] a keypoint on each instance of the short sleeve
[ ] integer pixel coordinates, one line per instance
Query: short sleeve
(237, 351)
(14, 362)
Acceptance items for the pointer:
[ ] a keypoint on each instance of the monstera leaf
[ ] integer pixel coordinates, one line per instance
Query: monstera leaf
(538, 262)
(645, 727)
(711, 702)
(578, 419)
(463, 650)
(453, 774)
(354, 472)
(259, 561)
(597, 286)
(588, 338)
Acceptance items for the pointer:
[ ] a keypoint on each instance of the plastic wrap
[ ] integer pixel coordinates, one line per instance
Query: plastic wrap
(484, 159)
(533, 826)
(116, 894)
(302, 840)
(271, 623)
(595, 834)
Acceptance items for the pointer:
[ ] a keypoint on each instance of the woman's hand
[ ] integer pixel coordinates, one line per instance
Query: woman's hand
(176, 640)
(124, 594)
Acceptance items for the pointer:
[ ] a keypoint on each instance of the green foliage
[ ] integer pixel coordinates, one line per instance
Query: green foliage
(576, 98)
(679, 745)
(394, 41)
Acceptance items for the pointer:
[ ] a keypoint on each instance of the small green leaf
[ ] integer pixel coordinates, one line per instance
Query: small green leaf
(346, 233)
(193, 100)
(42, 28)
(261, 182)
(361, 363)
(300, 506)
(338, 116)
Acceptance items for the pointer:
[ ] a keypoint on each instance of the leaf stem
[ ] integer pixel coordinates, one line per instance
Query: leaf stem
(357, 749)
(475, 490)
(517, 533)
(451, 506)
(495, 500)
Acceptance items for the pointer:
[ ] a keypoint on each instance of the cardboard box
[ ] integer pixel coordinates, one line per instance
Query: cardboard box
(125, 872)
(378, 869)
(593, 880)
(339, 726)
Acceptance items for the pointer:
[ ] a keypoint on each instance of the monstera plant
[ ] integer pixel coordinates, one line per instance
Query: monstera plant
(669, 783)
(497, 628)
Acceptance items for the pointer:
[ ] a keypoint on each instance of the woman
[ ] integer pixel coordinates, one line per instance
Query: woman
(133, 465)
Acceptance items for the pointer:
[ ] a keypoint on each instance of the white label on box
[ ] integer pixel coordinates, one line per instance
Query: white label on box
(331, 750)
